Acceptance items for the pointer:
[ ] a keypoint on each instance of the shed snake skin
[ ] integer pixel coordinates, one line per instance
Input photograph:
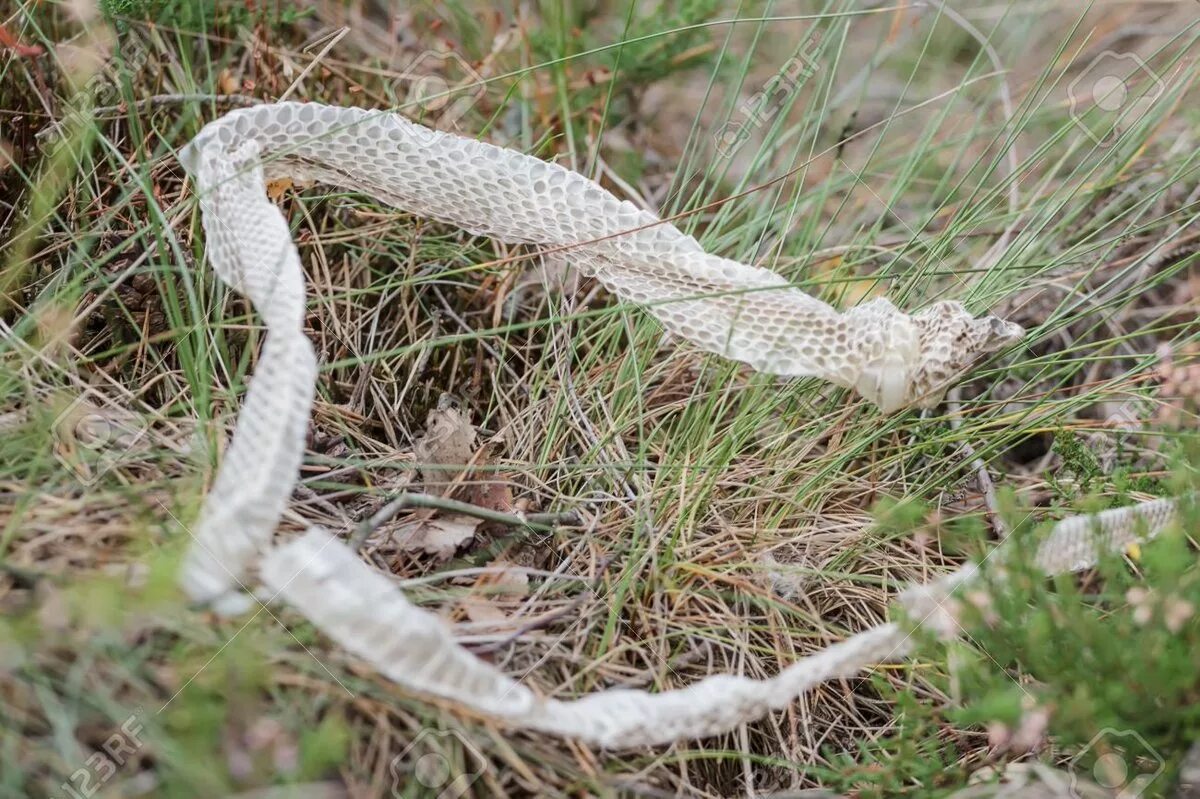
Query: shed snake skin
(743, 312)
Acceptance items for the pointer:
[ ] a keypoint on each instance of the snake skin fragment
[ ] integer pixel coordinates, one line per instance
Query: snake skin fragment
(719, 305)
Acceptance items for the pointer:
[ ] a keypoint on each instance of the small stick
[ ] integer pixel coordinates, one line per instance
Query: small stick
(981, 471)
(114, 111)
(329, 43)
(240, 100)
(544, 522)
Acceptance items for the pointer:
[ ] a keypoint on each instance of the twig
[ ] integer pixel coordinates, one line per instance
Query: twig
(981, 473)
(106, 112)
(241, 100)
(544, 522)
(329, 44)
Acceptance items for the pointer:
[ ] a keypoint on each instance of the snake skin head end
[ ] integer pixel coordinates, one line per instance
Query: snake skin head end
(951, 342)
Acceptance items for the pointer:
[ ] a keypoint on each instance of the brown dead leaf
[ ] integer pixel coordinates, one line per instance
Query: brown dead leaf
(228, 82)
(856, 290)
(500, 583)
(440, 536)
(276, 188)
(490, 489)
(505, 578)
(453, 463)
(446, 449)
(482, 610)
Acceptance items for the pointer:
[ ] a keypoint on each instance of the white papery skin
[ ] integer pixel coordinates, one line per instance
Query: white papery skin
(1078, 542)
(722, 306)
(361, 609)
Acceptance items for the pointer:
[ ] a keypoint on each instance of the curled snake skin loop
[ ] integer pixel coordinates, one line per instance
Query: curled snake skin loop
(364, 612)
(721, 306)
(360, 609)
(742, 312)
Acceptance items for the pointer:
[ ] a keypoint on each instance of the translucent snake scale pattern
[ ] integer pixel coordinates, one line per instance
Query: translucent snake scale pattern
(721, 306)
